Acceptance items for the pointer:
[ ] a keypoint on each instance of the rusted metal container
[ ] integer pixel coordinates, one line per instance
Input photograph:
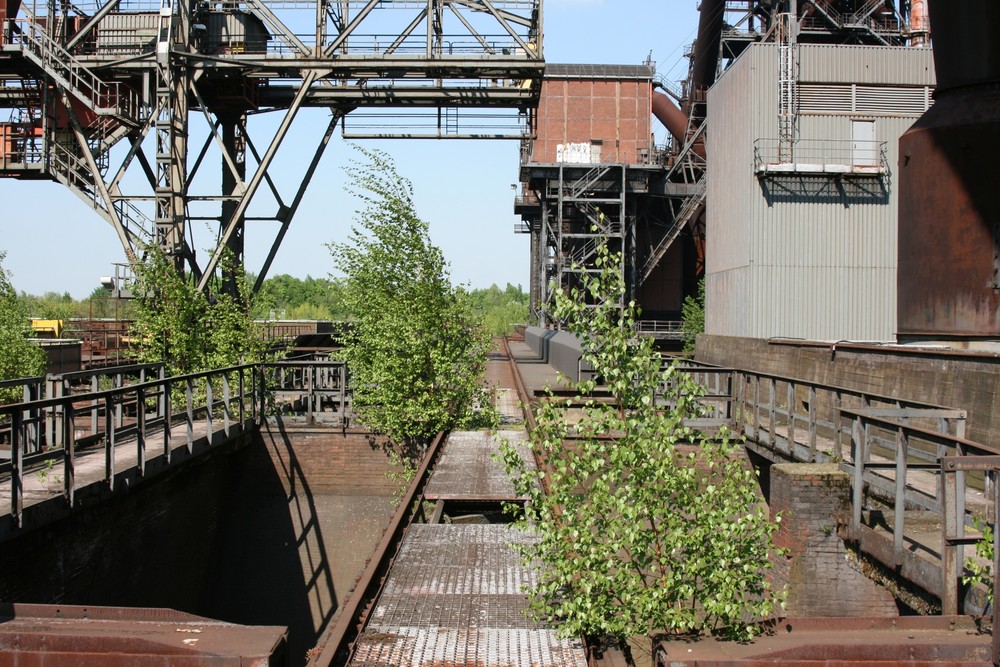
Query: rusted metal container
(949, 210)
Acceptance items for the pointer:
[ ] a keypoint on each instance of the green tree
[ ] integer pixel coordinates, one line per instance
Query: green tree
(51, 306)
(415, 353)
(188, 330)
(500, 310)
(295, 298)
(693, 316)
(644, 524)
(19, 358)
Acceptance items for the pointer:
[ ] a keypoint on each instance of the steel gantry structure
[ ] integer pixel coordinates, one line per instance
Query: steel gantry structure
(98, 91)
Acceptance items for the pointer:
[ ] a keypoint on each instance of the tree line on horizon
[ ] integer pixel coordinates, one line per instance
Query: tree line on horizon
(285, 297)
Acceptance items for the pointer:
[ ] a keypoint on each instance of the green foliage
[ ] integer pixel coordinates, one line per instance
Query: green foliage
(51, 306)
(290, 298)
(415, 352)
(639, 532)
(18, 357)
(186, 329)
(500, 310)
(978, 573)
(693, 316)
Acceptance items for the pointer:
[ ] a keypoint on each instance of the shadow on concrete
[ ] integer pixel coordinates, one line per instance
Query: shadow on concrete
(270, 564)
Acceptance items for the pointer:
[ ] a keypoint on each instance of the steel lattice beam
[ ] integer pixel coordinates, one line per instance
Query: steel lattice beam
(139, 79)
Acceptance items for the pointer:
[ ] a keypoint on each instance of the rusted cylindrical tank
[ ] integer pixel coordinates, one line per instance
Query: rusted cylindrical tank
(949, 207)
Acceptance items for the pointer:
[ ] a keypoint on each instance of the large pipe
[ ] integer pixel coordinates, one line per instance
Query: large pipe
(675, 120)
(949, 268)
(705, 60)
(919, 32)
(670, 115)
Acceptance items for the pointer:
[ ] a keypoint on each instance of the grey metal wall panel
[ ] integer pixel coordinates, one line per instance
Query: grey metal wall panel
(812, 263)
(885, 65)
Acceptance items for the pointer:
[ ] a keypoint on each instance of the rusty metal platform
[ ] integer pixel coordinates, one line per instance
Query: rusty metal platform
(454, 596)
(468, 469)
(32, 634)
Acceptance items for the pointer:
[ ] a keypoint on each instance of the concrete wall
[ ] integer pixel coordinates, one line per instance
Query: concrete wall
(821, 577)
(151, 547)
(559, 349)
(962, 380)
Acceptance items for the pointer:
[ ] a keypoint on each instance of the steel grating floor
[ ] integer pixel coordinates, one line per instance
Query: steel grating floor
(454, 597)
(468, 470)
(508, 407)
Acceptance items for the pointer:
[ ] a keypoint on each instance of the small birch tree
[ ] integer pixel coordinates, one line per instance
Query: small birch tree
(189, 330)
(644, 524)
(18, 357)
(415, 353)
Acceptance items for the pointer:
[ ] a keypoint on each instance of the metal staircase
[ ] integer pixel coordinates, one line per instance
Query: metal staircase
(587, 181)
(689, 210)
(102, 98)
(74, 172)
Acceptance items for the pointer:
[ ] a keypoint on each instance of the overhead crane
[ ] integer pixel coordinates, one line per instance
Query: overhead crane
(97, 91)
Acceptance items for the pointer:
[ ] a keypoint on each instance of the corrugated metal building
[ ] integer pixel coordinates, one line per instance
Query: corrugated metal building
(801, 233)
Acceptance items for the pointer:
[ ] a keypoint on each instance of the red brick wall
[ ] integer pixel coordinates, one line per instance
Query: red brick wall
(821, 577)
(580, 111)
(332, 461)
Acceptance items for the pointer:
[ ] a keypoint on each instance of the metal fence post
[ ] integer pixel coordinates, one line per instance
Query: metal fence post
(165, 403)
(109, 439)
(16, 467)
(140, 429)
(858, 447)
(69, 462)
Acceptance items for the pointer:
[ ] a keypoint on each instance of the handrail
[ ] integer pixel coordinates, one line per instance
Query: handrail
(164, 414)
(892, 448)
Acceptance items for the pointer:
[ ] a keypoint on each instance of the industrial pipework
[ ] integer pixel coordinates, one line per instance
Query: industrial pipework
(704, 66)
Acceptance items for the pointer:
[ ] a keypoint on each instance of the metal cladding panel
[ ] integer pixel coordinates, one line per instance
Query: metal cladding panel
(127, 32)
(735, 117)
(805, 257)
(739, 109)
(881, 65)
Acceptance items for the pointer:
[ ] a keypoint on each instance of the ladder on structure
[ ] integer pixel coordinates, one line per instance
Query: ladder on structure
(787, 88)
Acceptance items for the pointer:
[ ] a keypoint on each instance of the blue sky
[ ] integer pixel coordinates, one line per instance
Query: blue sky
(55, 242)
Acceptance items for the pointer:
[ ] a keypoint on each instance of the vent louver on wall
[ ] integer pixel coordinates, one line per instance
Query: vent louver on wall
(823, 99)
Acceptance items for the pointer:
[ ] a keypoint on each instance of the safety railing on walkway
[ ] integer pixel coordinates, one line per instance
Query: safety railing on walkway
(45, 444)
(909, 459)
(317, 388)
(129, 424)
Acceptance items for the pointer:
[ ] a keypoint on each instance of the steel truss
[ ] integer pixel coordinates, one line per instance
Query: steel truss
(100, 91)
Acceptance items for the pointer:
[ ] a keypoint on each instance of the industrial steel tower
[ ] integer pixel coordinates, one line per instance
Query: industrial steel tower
(98, 90)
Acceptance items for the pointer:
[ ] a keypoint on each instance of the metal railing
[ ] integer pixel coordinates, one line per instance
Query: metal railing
(908, 457)
(821, 156)
(92, 437)
(668, 329)
(311, 387)
(102, 97)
